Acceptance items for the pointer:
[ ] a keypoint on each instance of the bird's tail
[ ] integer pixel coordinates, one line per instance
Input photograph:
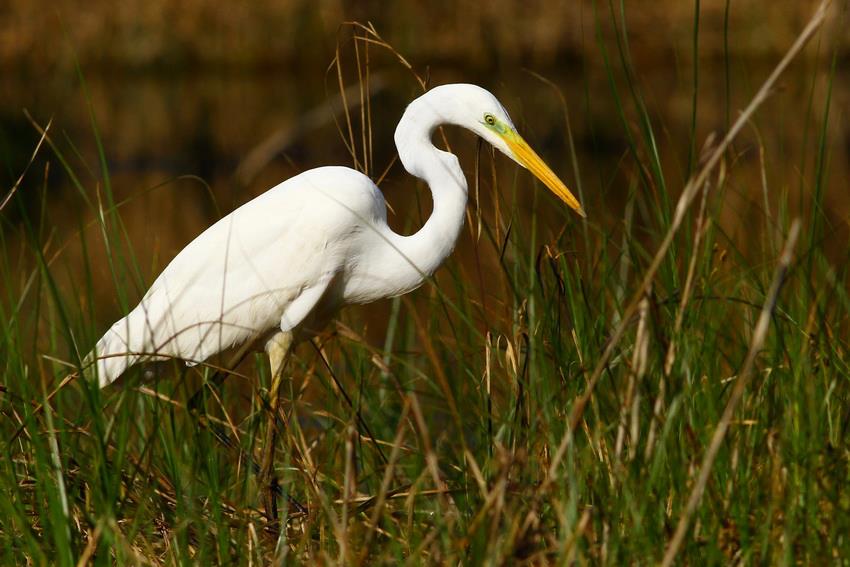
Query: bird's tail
(113, 353)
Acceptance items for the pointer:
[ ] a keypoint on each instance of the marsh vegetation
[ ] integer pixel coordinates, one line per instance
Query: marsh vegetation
(670, 376)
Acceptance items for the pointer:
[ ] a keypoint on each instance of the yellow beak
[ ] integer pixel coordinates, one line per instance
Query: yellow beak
(529, 159)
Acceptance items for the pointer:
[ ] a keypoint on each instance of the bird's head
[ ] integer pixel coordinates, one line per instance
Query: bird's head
(478, 110)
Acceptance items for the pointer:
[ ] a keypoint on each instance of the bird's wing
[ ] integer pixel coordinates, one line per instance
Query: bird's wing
(266, 264)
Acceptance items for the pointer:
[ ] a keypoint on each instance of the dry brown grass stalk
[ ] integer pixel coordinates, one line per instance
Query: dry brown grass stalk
(684, 203)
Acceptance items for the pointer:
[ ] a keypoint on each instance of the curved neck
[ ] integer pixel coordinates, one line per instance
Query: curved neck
(426, 249)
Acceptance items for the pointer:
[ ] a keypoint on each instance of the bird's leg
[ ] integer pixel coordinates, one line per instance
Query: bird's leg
(278, 349)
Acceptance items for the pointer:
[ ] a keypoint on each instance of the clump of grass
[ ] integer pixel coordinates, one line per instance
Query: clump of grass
(604, 394)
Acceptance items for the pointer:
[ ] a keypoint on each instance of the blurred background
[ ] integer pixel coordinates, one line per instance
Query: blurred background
(200, 106)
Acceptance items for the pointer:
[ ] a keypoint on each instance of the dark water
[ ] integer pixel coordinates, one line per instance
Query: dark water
(176, 146)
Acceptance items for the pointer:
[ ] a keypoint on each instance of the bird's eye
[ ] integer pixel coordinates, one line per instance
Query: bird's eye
(489, 119)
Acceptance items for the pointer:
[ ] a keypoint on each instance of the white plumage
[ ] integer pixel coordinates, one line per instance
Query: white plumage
(286, 261)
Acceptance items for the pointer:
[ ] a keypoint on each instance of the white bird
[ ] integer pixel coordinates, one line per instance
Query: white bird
(281, 265)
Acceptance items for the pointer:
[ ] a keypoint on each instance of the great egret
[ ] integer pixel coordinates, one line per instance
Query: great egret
(282, 264)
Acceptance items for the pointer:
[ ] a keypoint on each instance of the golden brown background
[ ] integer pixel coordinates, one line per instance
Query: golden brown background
(192, 87)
